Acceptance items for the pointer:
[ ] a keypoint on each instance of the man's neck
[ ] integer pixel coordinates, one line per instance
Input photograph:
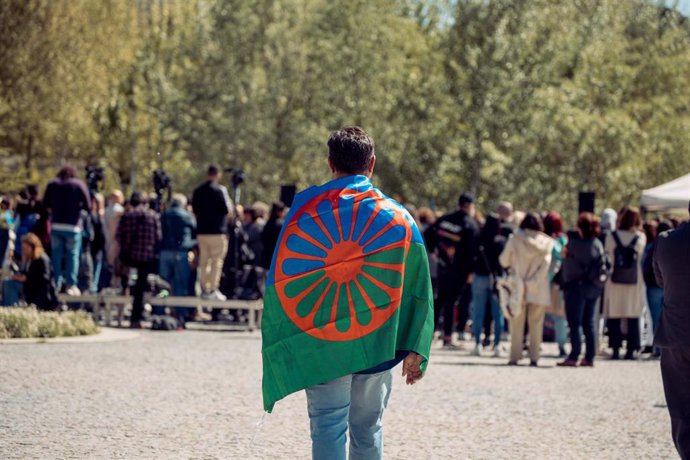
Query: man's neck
(340, 175)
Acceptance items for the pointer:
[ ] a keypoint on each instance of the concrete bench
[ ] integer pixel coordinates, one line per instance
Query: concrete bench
(108, 301)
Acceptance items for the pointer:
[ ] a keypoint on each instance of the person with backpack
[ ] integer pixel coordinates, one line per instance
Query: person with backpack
(624, 296)
(527, 256)
(584, 273)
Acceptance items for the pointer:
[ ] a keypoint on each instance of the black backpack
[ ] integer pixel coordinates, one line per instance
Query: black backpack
(599, 268)
(625, 262)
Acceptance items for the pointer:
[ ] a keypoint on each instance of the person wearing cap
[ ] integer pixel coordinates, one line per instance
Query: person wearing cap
(138, 235)
(453, 238)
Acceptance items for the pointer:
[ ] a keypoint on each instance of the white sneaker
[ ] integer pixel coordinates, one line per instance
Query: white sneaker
(477, 351)
(73, 291)
(497, 352)
(216, 295)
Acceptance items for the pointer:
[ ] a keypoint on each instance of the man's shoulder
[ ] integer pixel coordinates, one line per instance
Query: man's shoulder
(675, 237)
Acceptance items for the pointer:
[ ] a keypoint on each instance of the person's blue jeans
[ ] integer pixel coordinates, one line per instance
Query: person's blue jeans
(65, 252)
(482, 293)
(11, 292)
(560, 329)
(97, 269)
(580, 302)
(174, 268)
(655, 300)
(358, 400)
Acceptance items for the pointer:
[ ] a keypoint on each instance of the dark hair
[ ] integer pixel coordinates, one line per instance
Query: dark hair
(629, 219)
(350, 150)
(136, 199)
(589, 225)
(532, 221)
(553, 224)
(277, 208)
(213, 170)
(650, 230)
(67, 172)
(664, 226)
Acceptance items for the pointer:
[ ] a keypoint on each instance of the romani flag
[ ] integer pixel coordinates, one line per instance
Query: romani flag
(348, 287)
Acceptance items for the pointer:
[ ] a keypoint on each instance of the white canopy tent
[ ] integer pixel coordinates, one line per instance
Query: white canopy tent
(674, 195)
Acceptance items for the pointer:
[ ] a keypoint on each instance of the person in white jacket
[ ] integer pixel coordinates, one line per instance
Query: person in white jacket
(528, 255)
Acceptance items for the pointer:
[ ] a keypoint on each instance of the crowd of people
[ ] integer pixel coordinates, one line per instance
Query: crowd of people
(74, 240)
(593, 280)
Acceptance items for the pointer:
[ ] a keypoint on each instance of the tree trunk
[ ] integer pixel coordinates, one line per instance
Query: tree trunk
(29, 156)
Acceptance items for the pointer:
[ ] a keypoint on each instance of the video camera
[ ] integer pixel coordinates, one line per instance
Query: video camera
(161, 183)
(94, 176)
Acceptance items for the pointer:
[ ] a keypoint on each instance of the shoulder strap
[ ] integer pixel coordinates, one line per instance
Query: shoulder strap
(616, 238)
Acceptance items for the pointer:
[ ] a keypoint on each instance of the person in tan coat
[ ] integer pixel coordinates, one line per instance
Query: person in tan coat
(624, 296)
(528, 254)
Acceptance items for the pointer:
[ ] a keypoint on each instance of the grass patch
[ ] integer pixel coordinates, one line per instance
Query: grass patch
(22, 323)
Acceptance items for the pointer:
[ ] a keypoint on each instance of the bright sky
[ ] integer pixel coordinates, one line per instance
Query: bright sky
(683, 5)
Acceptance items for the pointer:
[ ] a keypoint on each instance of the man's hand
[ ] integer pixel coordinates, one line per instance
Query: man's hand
(412, 368)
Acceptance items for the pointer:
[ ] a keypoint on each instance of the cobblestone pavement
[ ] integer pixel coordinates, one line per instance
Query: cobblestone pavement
(198, 395)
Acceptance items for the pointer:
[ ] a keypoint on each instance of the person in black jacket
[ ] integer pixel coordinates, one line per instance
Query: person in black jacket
(212, 206)
(486, 269)
(271, 232)
(672, 270)
(39, 289)
(453, 237)
(582, 279)
(65, 198)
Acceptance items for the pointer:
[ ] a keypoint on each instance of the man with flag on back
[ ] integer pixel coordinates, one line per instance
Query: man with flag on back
(348, 297)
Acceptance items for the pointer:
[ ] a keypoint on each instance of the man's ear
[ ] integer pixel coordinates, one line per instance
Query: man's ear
(372, 163)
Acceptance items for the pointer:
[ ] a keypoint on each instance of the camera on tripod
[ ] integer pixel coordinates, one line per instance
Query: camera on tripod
(94, 176)
(161, 183)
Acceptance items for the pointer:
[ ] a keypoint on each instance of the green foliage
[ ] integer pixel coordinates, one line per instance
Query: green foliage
(526, 100)
(18, 323)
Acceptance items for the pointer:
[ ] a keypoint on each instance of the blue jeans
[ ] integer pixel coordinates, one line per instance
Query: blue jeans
(655, 300)
(11, 292)
(174, 268)
(560, 329)
(580, 302)
(482, 292)
(358, 400)
(65, 245)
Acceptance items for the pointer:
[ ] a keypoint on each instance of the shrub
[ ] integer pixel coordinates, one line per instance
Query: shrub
(17, 322)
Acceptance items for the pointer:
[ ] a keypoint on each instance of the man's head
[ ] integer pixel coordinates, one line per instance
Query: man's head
(350, 152)
(505, 211)
(214, 173)
(67, 172)
(178, 200)
(466, 203)
(136, 199)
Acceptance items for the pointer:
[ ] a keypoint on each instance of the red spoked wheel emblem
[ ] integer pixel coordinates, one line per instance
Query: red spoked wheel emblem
(339, 267)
